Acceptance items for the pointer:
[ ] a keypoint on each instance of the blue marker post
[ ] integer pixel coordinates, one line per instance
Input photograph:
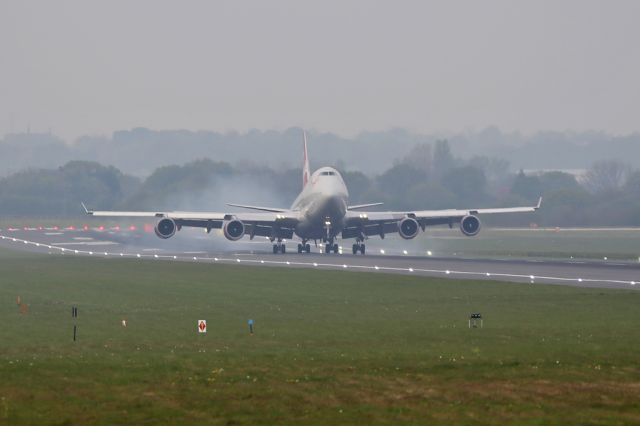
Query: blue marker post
(250, 322)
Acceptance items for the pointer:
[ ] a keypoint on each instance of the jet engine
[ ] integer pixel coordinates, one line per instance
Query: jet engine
(470, 225)
(233, 230)
(166, 228)
(408, 228)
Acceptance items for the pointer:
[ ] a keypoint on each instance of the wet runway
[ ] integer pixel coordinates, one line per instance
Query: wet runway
(198, 247)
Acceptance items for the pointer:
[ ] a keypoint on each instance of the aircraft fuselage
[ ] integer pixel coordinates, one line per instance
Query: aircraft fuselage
(322, 205)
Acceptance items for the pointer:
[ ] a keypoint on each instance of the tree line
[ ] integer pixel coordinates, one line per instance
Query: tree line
(429, 177)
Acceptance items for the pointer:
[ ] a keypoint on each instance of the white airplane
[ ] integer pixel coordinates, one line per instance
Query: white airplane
(320, 213)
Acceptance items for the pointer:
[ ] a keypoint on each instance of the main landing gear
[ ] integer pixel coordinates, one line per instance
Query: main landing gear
(279, 247)
(358, 247)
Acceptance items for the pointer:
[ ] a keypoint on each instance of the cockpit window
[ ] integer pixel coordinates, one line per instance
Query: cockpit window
(327, 174)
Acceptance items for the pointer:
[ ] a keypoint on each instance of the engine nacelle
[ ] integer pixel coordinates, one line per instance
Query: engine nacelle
(166, 228)
(233, 230)
(408, 228)
(470, 225)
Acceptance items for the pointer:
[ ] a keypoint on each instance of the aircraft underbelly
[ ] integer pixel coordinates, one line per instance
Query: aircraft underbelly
(322, 210)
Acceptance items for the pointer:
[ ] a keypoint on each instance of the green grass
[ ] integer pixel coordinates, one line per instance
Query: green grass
(620, 244)
(330, 347)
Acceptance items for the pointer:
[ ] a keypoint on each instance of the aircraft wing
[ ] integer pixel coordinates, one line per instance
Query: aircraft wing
(380, 223)
(267, 224)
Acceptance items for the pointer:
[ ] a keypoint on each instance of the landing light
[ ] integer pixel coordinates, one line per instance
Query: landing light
(404, 252)
(381, 251)
(633, 283)
(429, 253)
(447, 272)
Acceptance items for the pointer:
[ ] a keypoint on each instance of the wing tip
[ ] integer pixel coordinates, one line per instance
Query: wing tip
(87, 211)
(539, 203)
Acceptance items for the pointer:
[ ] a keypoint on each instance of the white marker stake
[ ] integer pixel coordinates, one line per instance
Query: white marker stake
(202, 326)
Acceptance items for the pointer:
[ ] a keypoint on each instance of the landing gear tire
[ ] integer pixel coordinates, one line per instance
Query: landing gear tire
(355, 249)
(327, 248)
(307, 248)
(335, 248)
(275, 249)
(283, 249)
(300, 248)
(362, 249)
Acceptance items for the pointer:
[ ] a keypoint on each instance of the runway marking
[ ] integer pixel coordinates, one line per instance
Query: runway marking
(54, 233)
(87, 243)
(447, 272)
(83, 238)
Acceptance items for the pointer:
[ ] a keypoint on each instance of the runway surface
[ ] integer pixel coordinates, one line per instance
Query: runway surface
(198, 247)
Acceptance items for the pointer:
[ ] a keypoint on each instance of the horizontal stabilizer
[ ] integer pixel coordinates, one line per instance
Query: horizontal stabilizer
(263, 209)
(363, 206)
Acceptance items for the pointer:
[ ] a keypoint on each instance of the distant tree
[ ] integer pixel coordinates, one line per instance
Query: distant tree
(59, 192)
(606, 176)
(399, 178)
(443, 160)
(431, 195)
(420, 158)
(556, 181)
(358, 185)
(527, 187)
(495, 169)
(632, 185)
(466, 182)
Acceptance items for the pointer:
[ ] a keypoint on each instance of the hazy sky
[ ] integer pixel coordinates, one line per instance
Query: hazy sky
(91, 67)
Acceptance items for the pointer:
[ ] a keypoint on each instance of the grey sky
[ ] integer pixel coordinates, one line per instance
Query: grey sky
(91, 67)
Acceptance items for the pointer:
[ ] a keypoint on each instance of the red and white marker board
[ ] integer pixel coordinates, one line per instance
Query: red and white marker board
(202, 326)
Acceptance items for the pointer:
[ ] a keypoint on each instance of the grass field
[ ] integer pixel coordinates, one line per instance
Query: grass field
(330, 347)
(577, 243)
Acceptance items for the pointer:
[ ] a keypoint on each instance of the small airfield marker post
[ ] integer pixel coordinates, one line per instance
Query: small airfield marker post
(74, 315)
(474, 318)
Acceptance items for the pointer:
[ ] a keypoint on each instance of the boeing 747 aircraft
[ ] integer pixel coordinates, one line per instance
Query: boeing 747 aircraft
(320, 213)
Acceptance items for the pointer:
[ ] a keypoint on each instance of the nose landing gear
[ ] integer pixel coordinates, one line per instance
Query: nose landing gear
(304, 247)
(328, 248)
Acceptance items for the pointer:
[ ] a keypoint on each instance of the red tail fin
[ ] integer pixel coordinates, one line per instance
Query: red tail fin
(305, 166)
